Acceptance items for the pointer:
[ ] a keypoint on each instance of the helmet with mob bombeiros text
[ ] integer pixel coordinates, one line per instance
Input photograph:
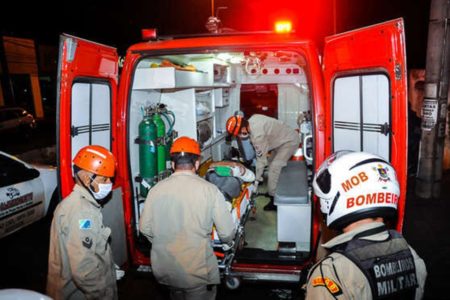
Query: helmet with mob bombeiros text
(354, 186)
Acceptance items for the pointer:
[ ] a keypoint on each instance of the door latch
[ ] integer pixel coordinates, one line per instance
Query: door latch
(385, 129)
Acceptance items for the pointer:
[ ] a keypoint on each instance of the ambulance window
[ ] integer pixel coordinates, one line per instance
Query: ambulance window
(361, 114)
(91, 115)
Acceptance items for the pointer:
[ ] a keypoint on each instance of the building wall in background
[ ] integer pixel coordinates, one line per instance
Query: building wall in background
(20, 56)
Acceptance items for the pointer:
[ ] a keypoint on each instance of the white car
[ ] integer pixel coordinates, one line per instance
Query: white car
(27, 193)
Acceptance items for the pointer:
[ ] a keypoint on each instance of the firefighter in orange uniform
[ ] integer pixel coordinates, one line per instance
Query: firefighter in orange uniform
(357, 192)
(266, 134)
(80, 264)
(178, 218)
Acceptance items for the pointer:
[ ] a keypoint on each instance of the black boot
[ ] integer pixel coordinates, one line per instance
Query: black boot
(270, 205)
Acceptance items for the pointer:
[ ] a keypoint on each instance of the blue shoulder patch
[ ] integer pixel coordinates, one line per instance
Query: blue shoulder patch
(84, 224)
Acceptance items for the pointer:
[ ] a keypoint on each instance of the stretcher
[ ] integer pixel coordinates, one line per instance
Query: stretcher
(236, 184)
(240, 209)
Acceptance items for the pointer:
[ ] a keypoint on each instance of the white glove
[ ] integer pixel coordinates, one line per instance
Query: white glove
(227, 247)
(119, 273)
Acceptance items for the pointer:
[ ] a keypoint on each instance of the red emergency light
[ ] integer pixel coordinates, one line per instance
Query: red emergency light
(149, 34)
(283, 26)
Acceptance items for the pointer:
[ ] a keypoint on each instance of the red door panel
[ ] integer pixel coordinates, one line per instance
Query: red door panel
(363, 56)
(84, 63)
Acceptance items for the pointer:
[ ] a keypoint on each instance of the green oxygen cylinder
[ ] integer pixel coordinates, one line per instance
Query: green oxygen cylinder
(147, 153)
(161, 147)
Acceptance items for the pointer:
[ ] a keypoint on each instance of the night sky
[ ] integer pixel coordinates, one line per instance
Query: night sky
(118, 22)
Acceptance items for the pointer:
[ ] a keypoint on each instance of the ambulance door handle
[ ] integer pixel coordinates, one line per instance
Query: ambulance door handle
(306, 154)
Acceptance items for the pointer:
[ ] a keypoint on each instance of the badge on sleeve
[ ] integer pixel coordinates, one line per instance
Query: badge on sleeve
(331, 286)
(85, 224)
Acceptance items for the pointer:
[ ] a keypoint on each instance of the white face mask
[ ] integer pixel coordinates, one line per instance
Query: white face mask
(103, 190)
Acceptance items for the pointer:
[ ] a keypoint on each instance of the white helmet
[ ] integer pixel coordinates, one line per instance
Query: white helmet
(355, 185)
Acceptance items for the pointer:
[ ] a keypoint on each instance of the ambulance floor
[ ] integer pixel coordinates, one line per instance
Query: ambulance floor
(261, 227)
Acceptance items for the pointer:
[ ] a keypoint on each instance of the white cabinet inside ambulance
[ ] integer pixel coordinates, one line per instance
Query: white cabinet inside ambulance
(25, 193)
(354, 98)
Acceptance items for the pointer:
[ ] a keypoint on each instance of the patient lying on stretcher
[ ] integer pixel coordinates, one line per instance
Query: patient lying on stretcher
(234, 181)
(229, 177)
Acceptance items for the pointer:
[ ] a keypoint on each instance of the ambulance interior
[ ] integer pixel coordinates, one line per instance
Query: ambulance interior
(195, 94)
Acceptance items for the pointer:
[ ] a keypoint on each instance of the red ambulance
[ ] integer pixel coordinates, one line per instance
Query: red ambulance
(349, 95)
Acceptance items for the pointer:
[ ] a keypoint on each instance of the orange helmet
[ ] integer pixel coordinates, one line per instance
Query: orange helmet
(96, 159)
(234, 124)
(185, 144)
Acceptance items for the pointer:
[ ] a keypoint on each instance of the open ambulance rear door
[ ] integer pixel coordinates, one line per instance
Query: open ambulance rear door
(366, 100)
(87, 92)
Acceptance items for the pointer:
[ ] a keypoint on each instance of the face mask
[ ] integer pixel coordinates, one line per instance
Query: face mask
(103, 190)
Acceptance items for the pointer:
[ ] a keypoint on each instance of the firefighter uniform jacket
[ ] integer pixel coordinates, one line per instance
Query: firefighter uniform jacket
(267, 134)
(80, 263)
(178, 218)
(338, 277)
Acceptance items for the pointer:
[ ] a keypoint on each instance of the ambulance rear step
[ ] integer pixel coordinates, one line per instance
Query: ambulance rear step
(233, 280)
(262, 276)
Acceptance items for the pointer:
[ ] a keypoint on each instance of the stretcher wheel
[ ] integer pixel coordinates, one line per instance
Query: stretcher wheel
(232, 282)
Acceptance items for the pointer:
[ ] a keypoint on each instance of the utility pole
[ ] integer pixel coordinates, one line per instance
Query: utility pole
(434, 107)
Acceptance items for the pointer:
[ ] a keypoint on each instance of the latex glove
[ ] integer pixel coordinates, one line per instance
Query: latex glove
(227, 247)
(119, 273)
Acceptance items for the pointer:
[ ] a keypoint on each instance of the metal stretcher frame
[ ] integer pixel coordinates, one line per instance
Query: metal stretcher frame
(227, 257)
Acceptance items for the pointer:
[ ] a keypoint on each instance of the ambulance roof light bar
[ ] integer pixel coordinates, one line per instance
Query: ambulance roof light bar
(149, 34)
(283, 26)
